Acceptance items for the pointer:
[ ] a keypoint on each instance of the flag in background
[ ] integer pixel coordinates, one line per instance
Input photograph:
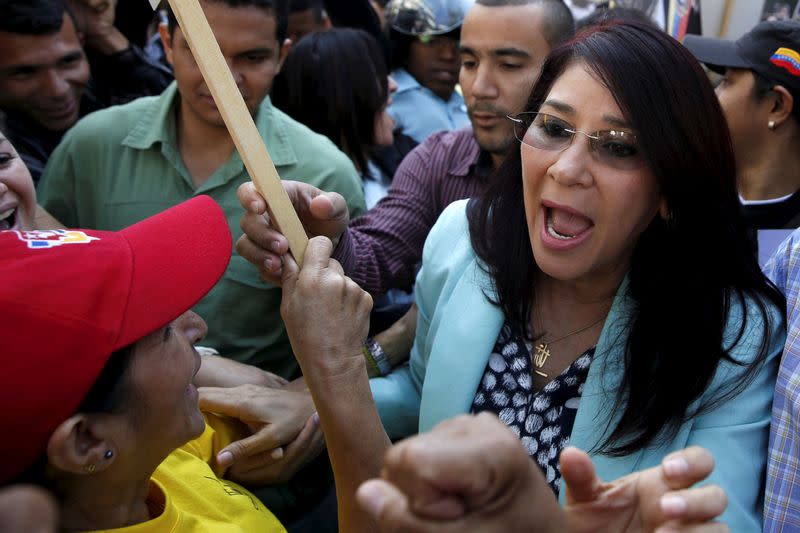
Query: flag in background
(683, 16)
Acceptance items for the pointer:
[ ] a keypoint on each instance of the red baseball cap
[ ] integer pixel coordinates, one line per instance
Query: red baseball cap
(69, 298)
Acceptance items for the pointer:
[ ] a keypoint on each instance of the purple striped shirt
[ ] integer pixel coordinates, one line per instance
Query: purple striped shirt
(381, 249)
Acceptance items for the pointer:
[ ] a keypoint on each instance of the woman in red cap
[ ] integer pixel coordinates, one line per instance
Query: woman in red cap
(97, 393)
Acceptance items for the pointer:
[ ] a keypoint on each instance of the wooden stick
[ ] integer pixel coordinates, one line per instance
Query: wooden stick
(727, 11)
(242, 129)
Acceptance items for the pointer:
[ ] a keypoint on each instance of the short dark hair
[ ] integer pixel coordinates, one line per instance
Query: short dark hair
(277, 8)
(614, 13)
(32, 17)
(680, 280)
(316, 7)
(335, 82)
(558, 26)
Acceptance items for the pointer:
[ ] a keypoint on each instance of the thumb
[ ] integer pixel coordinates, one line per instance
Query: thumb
(330, 215)
(579, 476)
(381, 498)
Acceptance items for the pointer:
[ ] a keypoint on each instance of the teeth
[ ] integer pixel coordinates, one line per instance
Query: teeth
(553, 233)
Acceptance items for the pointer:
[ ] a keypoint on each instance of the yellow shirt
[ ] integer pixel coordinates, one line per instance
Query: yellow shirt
(195, 499)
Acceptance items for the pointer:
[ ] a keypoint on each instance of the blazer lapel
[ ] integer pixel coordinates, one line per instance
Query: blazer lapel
(461, 349)
(598, 412)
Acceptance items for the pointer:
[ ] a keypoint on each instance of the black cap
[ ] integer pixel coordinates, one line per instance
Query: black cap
(772, 49)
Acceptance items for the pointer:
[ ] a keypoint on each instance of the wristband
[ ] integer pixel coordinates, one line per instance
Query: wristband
(376, 357)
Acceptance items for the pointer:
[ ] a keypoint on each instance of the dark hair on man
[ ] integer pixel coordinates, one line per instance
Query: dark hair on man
(32, 17)
(335, 82)
(614, 13)
(277, 8)
(683, 280)
(316, 7)
(557, 27)
(558, 24)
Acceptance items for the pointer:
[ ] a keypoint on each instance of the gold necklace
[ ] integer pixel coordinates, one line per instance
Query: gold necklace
(542, 350)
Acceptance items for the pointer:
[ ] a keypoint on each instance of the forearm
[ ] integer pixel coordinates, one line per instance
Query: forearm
(217, 371)
(354, 436)
(397, 340)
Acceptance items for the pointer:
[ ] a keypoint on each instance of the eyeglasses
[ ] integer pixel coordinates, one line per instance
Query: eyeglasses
(614, 148)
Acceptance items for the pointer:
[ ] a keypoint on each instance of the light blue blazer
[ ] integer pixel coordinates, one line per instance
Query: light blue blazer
(457, 328)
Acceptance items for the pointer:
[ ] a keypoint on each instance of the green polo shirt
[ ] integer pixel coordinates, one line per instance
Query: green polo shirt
(121, 165)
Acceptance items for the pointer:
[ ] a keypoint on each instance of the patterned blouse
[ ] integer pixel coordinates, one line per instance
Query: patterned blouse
(542, 419)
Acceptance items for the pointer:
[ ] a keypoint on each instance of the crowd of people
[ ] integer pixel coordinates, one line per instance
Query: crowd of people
(531, 299)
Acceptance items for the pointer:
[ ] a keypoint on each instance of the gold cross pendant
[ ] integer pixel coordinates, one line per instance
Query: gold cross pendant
(540, 356)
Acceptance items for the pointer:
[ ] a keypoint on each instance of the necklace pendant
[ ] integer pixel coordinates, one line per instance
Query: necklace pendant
(540, 355)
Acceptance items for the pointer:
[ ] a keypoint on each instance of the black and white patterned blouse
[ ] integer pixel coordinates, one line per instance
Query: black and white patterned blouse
(541, 419)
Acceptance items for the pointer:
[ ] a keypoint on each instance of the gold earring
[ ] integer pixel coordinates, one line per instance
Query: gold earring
(89, 468)
(771, 125)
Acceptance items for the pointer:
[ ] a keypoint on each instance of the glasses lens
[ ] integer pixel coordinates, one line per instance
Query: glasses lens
(547, 132)
(618, 149)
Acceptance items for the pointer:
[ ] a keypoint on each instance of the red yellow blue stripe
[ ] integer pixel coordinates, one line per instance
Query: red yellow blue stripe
(788, 59)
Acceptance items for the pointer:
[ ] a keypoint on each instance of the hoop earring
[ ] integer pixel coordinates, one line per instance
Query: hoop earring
(771, 125)
(90, 468)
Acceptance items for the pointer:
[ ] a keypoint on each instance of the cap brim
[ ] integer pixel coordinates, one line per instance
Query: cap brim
(716, 54)
(178, 256)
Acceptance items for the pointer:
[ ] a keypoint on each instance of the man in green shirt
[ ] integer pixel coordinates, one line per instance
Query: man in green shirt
(126, 163)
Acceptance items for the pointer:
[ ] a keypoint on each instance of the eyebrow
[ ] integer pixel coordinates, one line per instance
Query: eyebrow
(499, 52)
(568, 109)
(264, 51)
(69, 56)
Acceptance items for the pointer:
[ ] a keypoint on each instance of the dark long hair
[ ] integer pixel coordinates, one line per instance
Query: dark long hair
(685, 273)
(335, 82)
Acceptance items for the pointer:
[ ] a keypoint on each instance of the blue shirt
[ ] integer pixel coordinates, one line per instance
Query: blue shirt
(418, 112)
(782, 500)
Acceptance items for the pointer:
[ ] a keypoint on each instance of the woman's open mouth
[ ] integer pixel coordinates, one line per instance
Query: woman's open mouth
(8, 219)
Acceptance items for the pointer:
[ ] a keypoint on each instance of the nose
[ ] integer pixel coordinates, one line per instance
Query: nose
(192, 326)
(484, 86)
(448, 50)
(238, 77)
(571, 166)
(54, 84)
(3, 188)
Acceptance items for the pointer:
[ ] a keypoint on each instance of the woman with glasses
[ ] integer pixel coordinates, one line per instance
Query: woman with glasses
(602, 293)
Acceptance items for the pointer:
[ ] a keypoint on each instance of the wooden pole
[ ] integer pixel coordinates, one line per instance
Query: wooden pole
(242, 129)
(727, 11)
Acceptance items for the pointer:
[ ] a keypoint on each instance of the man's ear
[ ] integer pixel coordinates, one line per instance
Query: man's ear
(285, 47)
(782, 105)
(663, 209)
(166, 41)
(79, 447)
